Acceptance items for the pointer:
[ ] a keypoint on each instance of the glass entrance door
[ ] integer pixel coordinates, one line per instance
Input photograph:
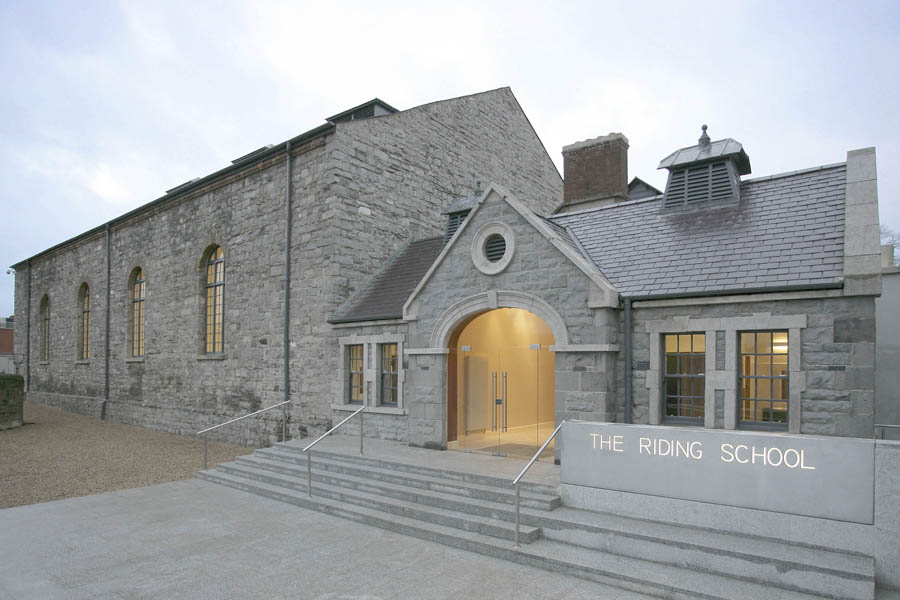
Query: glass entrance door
(504, 406)
(501, 399)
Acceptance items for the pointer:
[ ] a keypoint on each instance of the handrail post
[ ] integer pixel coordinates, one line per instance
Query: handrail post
(360, 434)
(517, 516)
(205, 453)
(309, 472)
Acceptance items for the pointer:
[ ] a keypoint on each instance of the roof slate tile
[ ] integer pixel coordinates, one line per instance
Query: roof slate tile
(785, 228)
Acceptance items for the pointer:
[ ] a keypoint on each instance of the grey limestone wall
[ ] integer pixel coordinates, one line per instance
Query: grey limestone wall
(358, 195)
(837, 358)
(584, 386)
(385, 182)
(887, 353)
(174, 386)
(59, 277)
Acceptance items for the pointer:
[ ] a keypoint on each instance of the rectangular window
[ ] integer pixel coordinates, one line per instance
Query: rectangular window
(684, 376)
(764, 378)
(355, 370)
(389, 377)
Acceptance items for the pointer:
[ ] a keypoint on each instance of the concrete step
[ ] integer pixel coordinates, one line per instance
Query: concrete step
(485, 525)
(821, 570)
(418, 469)
(833, 574)
(504, 493)
(660, 580)
(502, 511)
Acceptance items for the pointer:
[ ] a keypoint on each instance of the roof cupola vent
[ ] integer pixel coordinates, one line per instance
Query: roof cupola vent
(706, 174)
(704, 139)
(459, 210)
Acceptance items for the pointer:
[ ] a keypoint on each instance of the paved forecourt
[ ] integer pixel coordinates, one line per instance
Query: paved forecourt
(193, 539)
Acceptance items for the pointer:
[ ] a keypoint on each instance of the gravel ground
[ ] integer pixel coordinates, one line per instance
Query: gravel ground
(59, 454)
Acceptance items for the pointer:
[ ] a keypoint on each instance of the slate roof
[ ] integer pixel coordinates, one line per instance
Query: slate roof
(700, 153)
(786, 232)
(382, 297)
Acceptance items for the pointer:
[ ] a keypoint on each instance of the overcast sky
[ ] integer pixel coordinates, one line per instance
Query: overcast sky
(107, 105)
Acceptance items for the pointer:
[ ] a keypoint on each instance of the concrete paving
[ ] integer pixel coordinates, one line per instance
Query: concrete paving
(193, 539)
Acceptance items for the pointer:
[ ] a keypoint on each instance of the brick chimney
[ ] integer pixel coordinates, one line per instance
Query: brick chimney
(595, 172)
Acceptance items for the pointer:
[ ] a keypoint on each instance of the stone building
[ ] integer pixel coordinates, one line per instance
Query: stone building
(346, 194)
(467, 320)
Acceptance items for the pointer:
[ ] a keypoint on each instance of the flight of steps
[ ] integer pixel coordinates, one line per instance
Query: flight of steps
(477, 513)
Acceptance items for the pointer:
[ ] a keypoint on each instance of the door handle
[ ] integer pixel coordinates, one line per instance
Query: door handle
(494, 401)
(505, 403)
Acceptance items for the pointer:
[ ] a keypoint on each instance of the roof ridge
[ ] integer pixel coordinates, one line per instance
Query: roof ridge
(797, 172)
(607, 207)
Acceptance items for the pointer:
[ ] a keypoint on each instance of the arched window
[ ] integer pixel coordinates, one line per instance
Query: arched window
(45, 328)
(84, 322)
(137, 292)
(214, 299)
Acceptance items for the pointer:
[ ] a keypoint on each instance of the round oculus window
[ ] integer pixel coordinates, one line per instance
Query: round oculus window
(494, 247)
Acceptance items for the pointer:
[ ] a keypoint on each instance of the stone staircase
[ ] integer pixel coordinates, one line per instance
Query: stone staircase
(476, 512)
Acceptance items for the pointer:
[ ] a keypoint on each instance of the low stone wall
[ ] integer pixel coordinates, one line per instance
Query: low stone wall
(12, 393)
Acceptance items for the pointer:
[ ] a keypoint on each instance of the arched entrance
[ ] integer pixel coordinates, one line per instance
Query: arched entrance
(500, 383)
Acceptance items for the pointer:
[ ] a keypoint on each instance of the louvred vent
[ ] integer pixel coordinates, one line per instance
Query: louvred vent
(711, 182)
(495, 247)
(453, 223)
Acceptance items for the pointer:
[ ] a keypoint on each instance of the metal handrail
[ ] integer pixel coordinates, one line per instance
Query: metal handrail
(322, 437)
(883, 425)
(206, 441)
(525, 470)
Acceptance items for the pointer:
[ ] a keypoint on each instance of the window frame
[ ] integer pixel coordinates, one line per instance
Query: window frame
(386, 372)
(137, 312)
(742, 423)
(83, 343)
(44, 313)
(359, 374)
(213, 342)
(665, 377)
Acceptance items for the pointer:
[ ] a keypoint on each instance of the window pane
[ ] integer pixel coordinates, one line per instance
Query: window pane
(748, 343)
(671, 387)
(764, 389)
(700, 343)
(671, 344)
(747, 366)
(684, 343)
(779, 342)
(779, 365)
(698, 386)
(763, 343)
(671, 365)
(699, 364)
(699, 408)
(764, 365)
(747, 410)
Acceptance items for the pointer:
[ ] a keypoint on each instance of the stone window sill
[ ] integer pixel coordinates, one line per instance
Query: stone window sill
(377, 410)
(134, 359)
(82, 362)
(211, 357)
(43, 362)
